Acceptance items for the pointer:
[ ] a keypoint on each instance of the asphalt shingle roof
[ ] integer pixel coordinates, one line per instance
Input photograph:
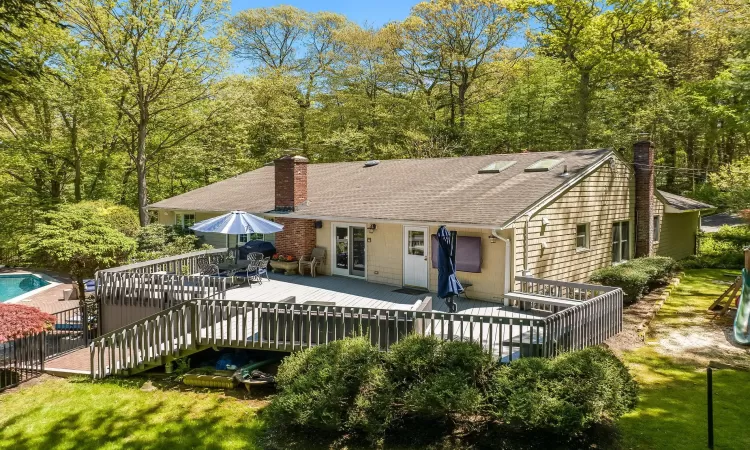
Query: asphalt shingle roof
(683, 203)
(439, 190)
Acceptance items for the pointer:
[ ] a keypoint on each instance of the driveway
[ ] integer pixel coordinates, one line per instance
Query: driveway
(712, 223)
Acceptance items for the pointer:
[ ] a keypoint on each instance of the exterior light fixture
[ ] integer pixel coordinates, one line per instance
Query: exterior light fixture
(372, 227)
(493, 239)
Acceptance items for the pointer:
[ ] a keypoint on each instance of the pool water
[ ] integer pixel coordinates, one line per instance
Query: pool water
(12, 286)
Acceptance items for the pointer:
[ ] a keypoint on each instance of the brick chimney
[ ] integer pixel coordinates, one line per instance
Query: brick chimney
(290, 182)
(643, 164)
(299, 235)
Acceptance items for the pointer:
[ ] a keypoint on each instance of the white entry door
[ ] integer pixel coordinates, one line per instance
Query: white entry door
(415, 256)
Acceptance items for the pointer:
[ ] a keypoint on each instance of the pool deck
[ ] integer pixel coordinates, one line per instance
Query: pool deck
(48, 298)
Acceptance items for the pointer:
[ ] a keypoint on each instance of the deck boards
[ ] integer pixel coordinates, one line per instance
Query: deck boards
(361, 294)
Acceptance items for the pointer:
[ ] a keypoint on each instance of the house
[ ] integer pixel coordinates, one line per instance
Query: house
(554, 215)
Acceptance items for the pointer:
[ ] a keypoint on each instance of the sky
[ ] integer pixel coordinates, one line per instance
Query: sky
(371, 12)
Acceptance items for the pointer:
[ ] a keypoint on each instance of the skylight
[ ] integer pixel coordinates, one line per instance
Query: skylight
(543, 165)
(496, 167)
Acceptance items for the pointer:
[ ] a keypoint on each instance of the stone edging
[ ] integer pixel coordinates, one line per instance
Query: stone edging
(645, 326)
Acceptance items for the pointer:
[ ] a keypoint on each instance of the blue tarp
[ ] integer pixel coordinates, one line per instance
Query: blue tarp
(448, 284)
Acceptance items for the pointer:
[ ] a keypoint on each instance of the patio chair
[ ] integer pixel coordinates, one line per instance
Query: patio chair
(255, 271)
(316, 258)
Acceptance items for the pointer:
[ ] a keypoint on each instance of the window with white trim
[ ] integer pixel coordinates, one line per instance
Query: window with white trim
(657, 228)
(243, 238)
(184, 220)
(620, 241)
(582, 236)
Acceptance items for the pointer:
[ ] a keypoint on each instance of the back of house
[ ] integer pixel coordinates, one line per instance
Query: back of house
(555, 215)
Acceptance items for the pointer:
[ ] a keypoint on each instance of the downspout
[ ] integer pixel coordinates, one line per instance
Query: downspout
(507, 281)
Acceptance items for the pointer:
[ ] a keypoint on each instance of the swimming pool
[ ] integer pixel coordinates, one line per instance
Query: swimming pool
(12, 286)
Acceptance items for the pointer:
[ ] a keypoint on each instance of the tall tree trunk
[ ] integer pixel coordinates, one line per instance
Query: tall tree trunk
(584, 107)
(140, 168)
(671, 175)
(78, 177)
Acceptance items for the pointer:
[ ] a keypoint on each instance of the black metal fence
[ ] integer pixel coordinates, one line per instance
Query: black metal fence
(73, 329)
(21, 359)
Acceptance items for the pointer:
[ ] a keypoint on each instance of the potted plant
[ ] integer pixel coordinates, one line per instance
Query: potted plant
(287, 264)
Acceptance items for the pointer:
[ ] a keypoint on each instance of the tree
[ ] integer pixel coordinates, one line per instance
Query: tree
(464, 42)
(167, 54)
(73, 240)
(286, 41)
(600, 40)
(19, 320)
(16, 16)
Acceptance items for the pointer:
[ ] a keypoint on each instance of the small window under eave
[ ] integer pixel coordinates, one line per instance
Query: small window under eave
(496, 167)
(543, 165)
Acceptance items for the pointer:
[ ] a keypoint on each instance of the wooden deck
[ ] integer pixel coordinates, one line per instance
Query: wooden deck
(355, 293)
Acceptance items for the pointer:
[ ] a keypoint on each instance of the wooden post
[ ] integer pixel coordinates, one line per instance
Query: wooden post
(710, 391)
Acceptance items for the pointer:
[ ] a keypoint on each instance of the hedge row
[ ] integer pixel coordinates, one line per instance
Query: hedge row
(638, 276)
(348, 388)
(723, 249)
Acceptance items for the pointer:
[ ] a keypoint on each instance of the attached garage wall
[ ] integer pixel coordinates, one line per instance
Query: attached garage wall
(602, 198)
(678, 231)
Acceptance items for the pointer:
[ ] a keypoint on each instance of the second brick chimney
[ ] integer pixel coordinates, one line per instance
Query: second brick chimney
(643, 164)
(290, 182)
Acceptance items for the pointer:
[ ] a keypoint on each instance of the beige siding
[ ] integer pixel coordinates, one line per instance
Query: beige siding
(385, 249)
(602, 198)
(678, 234)
(323, 239)
(489, 283)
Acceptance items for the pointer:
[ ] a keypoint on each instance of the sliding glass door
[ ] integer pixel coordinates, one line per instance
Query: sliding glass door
(350, 250)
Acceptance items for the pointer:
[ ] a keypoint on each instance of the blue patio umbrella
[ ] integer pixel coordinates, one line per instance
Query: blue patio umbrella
(448, 284)
(237, 222)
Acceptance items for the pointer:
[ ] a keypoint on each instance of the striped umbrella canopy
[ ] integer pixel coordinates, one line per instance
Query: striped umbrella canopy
(237, 222)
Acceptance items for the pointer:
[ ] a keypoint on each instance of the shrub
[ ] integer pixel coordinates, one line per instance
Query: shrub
(19, 320)
(156, 241)
(723, 249)
(632, 280)
(566, 395)
(437, 381)
(638, 276)
(319, 387)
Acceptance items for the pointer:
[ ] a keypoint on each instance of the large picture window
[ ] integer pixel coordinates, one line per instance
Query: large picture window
(620, 242)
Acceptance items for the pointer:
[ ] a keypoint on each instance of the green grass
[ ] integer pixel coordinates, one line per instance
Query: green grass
(672, 410)
(65, 414)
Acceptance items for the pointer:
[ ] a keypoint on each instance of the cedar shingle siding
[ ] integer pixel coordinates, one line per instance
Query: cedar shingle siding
(602, 198)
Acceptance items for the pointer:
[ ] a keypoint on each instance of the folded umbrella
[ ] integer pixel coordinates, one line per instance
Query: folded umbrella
(448, 284)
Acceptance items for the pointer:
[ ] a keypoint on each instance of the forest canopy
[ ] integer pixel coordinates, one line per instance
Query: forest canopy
(133, 102)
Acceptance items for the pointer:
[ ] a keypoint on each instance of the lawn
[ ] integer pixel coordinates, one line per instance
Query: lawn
(78, 414)
(672, 410)
(70, 414)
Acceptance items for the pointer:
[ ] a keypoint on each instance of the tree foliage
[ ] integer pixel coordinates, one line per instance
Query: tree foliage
(77, 240)
(19, 320)
(134, 103)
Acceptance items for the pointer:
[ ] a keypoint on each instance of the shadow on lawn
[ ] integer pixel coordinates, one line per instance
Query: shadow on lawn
(129, 423)
(672, 405)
